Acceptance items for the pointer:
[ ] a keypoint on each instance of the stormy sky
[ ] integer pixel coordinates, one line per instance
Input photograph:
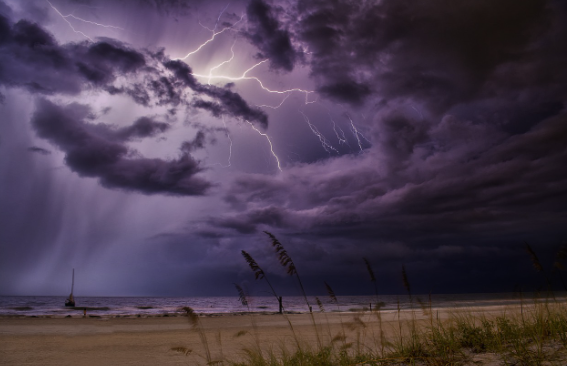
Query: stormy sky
(146, 143)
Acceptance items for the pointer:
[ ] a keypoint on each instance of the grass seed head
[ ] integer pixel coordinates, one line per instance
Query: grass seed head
(258, 272)
(369, 269)
(535, 260)
(283, 257)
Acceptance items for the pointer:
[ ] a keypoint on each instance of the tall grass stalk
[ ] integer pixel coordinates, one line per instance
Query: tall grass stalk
(558, 265)
(537, 264)
(377, 309)
(196, 324)
(258, 271)
(260, 274)
(286, 261)
(528, 336)
(512, 338)
(334, 300)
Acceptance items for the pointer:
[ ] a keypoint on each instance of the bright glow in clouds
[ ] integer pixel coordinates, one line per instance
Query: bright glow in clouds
(146, 143)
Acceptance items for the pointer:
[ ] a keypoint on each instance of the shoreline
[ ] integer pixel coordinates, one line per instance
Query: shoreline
(107, 312)
(41, 306)
(12, 325)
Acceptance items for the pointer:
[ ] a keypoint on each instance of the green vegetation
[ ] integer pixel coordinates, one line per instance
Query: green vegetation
(533, 333)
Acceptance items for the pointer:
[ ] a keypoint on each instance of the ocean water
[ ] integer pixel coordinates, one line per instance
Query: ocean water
(53, 306)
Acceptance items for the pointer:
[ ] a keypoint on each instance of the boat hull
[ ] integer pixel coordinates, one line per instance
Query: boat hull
(69, 303)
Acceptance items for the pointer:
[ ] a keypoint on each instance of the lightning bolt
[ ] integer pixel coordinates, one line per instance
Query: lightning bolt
(357, 133)
(229, 139)
(269, 141)
(341, 137)
(275, 107)
(64, 17)
(220, 15)
(307, 98)
(217, 22)
(324, 142)
(213, 36)
(210, 76)
(222, 63)
(244, 77)
(229, 150)
(417, 110)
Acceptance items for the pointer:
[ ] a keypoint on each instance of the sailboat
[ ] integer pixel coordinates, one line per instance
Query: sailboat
(71, 300)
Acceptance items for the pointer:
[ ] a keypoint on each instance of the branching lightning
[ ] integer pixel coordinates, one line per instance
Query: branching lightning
(64, 17)
(211, 75)
(341, 137)
(217, 22)
(269, 141)
(277, 106)
(213, 36)
(222, 63)
(324, 142)
(244, 77)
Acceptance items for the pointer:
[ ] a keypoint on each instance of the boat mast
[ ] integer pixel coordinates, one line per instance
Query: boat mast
(72, 283)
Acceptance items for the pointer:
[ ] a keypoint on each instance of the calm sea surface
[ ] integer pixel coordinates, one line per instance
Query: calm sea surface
(159, 306)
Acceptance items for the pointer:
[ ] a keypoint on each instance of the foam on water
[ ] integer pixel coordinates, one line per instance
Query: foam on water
(159, 306)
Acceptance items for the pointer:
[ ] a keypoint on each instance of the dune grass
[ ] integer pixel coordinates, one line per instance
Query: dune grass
(533, 333)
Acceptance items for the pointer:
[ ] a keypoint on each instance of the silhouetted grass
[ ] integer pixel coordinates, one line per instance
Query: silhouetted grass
(532, 333)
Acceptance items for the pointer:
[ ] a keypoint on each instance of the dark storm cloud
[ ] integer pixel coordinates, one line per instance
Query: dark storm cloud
(166, 7)
(231, 103)
(463, 106)
(96, 150)
(32, 59)
(180, 7)
(427, 50)
(226, 102)
(197, 143)
(99, 62)
(141, 128)
(181, 71)
(169, 90)
(248, 223)
(464, 196)
(348, 91)
(39, 150)
(484, 148)
(266, 33)
(466, 159)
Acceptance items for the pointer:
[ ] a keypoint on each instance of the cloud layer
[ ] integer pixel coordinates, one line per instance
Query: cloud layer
(458, 111)
(467, 122)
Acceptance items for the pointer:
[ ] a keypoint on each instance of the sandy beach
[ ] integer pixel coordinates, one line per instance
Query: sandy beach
(153, 340)
(136, 341)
